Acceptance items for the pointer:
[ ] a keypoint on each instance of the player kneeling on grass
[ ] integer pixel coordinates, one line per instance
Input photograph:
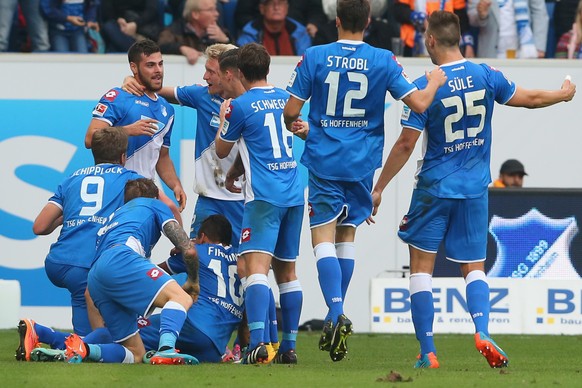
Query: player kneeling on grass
(124, 283)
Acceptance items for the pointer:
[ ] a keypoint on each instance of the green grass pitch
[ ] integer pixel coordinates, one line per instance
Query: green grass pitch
(542, 361)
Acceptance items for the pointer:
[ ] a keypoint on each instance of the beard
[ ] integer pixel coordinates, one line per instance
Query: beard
(151, 84)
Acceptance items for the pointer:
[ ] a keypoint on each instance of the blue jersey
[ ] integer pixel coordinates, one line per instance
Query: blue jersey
(210, 171)
(347, 83)
(265, 146)
(87, 199)
(119, 108)
(138, 224)
(457, 138)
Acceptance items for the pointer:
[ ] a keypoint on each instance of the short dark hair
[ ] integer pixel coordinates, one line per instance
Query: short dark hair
(142, 187)
(254, 62)
(217, 228)
(445, 28)
(146, 47)
(228, 60)
(108, 144)
(353, 14)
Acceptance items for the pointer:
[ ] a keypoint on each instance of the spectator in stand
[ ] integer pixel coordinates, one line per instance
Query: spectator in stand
(511, 174)
(123, 22)
(280, 34)
(413, 23)
(569, 43)
(517, 29)
(378, 33)
(67, 21)
(35, 23)
(194, 31)
(309, 13)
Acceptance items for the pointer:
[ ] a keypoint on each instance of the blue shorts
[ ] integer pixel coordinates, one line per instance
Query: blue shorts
(191, 340)
(348, 202)
(74, 279)
(271, 229)
(232, 210)
(461, 223)
(124, 285)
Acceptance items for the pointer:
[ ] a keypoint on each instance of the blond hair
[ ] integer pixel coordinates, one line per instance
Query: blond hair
(214, 51)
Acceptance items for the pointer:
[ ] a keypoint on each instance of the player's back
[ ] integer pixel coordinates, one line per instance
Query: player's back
(458, 125)
(266, 147)
(137, 224)
(347, 82)
(87, 198)
(119, 108)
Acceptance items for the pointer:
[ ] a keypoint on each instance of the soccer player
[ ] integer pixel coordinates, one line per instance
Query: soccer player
(273, 210)
(219, 309)
(82, 205)
(213, 198)
(209, 323)
(347, 82)
(124, 283)
(449, 202)
(147, 119)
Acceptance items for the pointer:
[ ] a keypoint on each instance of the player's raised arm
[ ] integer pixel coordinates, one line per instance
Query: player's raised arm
(420, 100)
(94, 126)
(535, 98)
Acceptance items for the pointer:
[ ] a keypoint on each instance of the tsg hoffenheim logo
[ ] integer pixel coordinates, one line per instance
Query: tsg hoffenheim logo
(533, 246)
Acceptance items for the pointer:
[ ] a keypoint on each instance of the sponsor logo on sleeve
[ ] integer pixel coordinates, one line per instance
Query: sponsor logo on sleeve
(405, 113)
(245, 235)
(155, 273)
(111, 95)
(100, 109)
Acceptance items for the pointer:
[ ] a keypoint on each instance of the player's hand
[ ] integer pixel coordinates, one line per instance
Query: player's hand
(146, 127)
(230, 185)
(376, 200)
(131, 85)
(180, 197)
(193, 289)
(437, 76)
(569, 89)
(300, 128)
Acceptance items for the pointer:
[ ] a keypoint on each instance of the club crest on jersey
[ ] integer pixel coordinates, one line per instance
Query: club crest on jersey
(100, 109)
(111, 95)
(403, 224)
(164, 111)
(155, 273)
(245, 235)
(143, 322)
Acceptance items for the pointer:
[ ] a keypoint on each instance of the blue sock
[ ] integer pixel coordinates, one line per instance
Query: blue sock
(330, 278)
(46, 335)
(272, 319)
(98, 336)
(172, 319)
(107, 353)
(256, 304)
(477, 294)
(422, 308)
(291, 295)
(346, 252)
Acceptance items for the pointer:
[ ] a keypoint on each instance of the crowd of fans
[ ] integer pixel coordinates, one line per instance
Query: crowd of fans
(490, 28)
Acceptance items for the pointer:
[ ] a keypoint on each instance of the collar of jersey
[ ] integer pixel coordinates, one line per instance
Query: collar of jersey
(455, 63)
(346, 41)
